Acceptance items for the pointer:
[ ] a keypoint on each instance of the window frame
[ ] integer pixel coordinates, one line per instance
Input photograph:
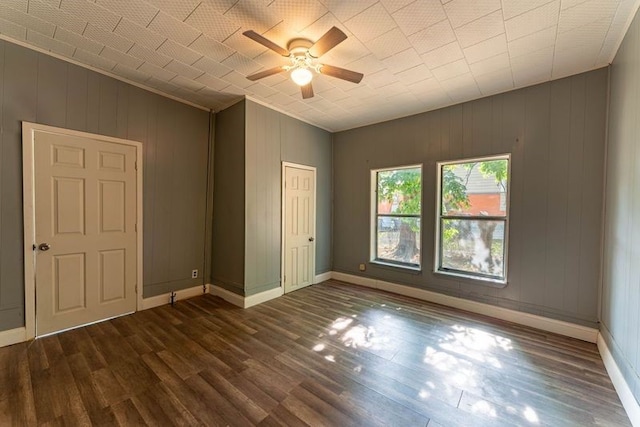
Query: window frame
(373, 258)
(437, 267)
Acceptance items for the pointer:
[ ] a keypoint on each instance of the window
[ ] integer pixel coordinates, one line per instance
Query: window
(473, 218)
(396, 213)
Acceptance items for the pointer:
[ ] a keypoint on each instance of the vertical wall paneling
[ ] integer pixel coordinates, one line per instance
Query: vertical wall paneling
(536, 158)
(38, 88)
(228, 231)
(5, 302)
(620, 318)
(557, 195)
(208, 235)
(574, 200)
(555, 134)
(76, 112)
(271, 138)
(309, 145)
(19, 103)
(52, 91)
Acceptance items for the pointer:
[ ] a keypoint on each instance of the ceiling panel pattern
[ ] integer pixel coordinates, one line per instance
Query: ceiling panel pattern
(416, 55)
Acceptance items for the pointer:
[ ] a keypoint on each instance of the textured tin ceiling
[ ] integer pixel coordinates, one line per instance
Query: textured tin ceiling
(417, 55)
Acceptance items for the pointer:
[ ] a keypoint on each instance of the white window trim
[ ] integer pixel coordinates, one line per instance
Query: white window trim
(471, 276)
(374, 219)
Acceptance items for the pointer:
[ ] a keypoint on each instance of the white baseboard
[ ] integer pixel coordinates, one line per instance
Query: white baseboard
(233, 298)
(13, 336)
(163, 299)
(622, 388)
(265, 296)
(322, 277)
(543, 323)
(245, 302)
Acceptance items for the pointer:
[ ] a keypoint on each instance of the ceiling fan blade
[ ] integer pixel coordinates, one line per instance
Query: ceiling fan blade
(307, 91)
(328, 41)
(265, 73)
(341, 73)
(266, 43)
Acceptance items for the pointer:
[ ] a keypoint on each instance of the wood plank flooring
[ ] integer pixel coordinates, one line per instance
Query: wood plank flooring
(331, 354)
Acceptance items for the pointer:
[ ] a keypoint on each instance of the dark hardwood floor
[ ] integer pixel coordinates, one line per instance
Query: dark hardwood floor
(331, 354)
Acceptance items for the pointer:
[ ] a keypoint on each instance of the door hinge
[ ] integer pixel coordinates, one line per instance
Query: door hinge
(135, 227)
(135, 165)
(136, 289)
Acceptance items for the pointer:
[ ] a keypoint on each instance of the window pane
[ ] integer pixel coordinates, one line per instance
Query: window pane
(474, 246)
(475, 188)
(399, 191)
(399, 239)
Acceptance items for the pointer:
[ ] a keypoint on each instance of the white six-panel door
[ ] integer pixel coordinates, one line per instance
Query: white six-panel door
(85, 230)
(299, 227)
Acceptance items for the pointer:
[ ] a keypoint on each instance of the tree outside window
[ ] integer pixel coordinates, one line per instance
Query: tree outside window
(473, 218)
(397, 216)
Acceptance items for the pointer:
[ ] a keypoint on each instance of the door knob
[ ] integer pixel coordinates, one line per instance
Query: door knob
(311, 239)
(44, 246)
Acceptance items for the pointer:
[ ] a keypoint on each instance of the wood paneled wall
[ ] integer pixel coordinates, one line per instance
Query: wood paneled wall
(555, 133)
(272, 138)
(620, 318)
(253, 141)
(38, 88)
(227, 256)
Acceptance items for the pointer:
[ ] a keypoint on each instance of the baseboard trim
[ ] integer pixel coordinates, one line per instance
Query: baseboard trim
(629, 402)
(233, 298)
(265, 296)
(13, 336)
(181, 294)
(322, 277)
(543, 323)
(245, 302)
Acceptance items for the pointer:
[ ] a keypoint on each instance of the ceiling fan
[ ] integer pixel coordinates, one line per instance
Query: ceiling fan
(303, 55)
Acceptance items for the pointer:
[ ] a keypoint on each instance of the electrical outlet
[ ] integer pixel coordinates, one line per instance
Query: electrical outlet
(363, 267)
(194, 274)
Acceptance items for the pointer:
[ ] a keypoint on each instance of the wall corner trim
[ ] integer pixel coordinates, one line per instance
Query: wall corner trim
(162, 299)
(543, 323)
(629, 402)
(322, 277)
(13, 336)
(245, 302)
(265, 296)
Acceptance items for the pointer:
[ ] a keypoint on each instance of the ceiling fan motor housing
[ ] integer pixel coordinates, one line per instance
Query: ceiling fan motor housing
(299, 47)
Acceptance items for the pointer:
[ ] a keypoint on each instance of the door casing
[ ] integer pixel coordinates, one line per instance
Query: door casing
(285, 165)
(28, 178)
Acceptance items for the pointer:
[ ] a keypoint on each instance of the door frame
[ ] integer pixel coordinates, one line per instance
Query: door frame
(28, 192)
(283, 196)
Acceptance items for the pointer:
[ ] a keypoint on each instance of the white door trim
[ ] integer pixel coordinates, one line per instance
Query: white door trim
(28, 191)
(282, 215)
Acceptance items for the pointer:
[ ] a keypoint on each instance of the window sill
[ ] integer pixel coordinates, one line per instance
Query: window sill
(409, 268)
(496, 283)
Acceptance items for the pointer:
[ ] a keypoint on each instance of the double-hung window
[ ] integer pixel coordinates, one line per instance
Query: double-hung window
(473, 218)
(396, 216)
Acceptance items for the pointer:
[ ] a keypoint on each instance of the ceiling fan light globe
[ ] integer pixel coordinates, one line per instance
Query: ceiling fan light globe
(301, 76)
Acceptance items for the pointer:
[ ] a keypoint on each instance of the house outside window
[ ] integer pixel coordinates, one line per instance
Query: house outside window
(396, 216)
(472, 218)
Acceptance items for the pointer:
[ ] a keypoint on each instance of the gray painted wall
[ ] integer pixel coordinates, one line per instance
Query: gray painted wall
(38, 88)
(620, 315)
(228, 199)
(555, 133)
(271, 138)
